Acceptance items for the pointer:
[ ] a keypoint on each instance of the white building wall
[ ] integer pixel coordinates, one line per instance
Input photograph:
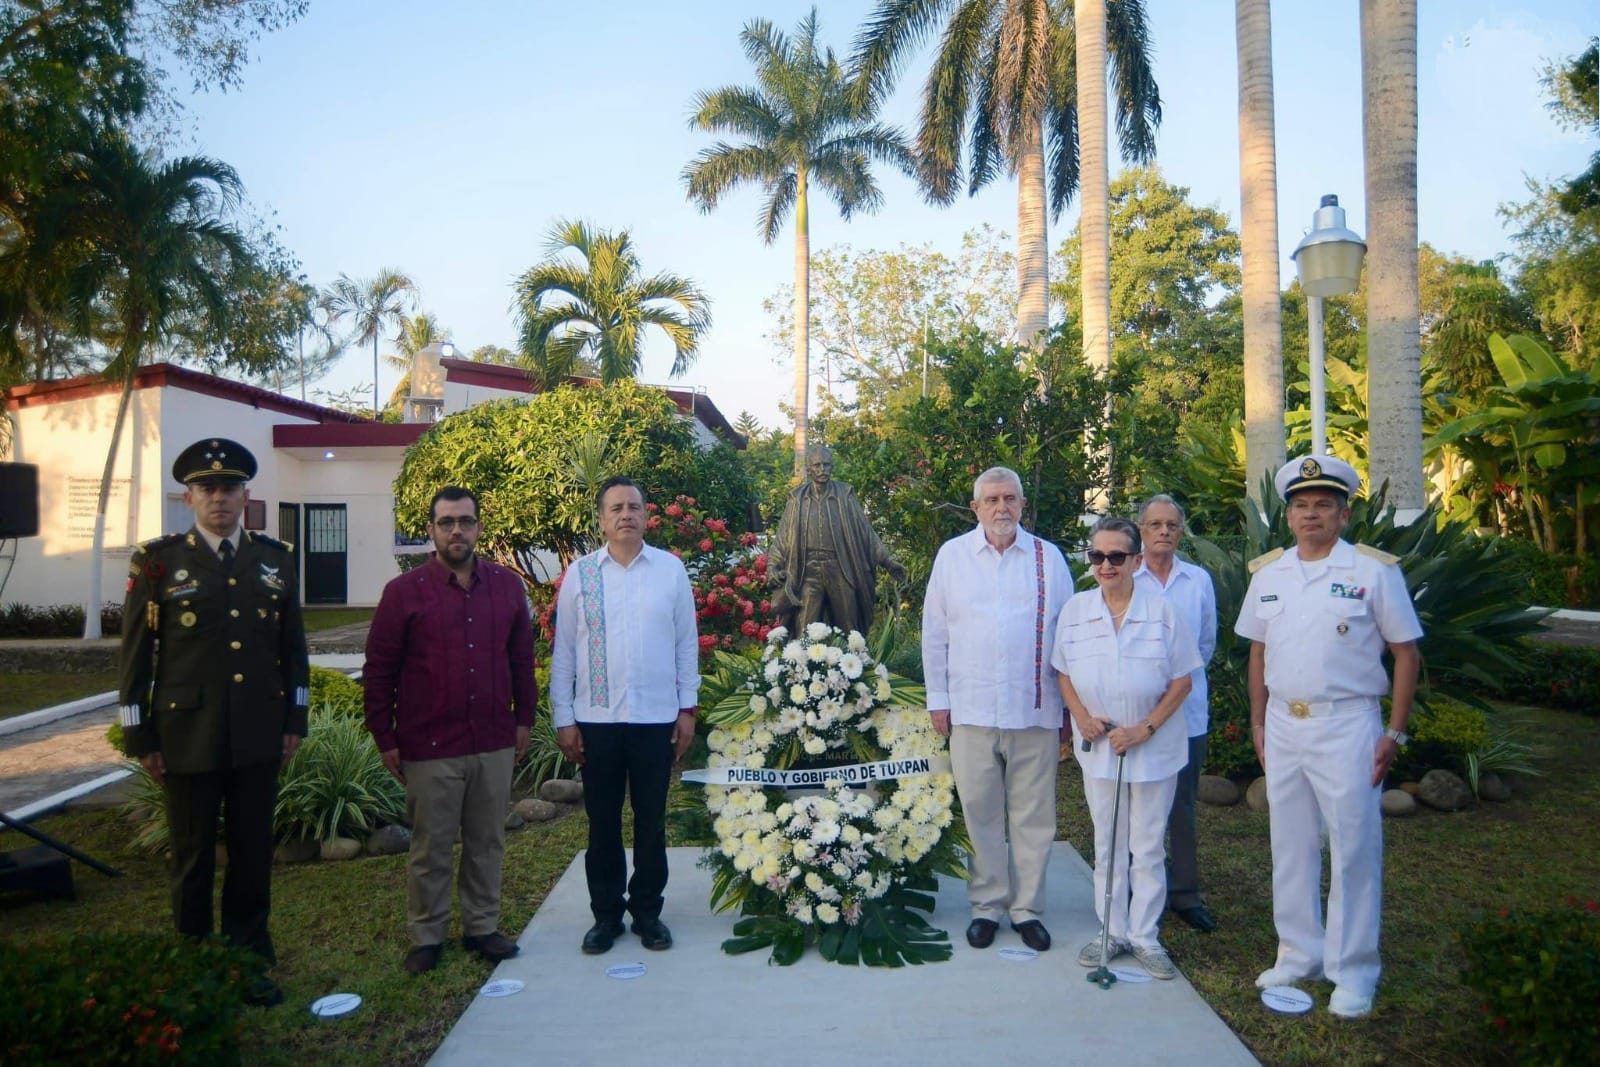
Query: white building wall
(366, 487)
(68, 439)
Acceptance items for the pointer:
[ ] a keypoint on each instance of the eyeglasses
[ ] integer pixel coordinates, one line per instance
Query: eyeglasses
(1116, 559)
(450, 522)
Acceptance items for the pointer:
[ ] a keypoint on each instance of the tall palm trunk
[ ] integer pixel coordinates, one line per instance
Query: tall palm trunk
(129, 358)
(1033, 253)
(1089, 21)
(1394, 379)
(802, 321)
(1258, 193)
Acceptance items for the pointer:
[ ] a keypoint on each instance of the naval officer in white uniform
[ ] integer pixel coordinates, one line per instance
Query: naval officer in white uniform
(1319, 616)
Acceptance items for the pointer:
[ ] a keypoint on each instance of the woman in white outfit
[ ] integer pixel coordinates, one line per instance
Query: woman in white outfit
(1124, 658)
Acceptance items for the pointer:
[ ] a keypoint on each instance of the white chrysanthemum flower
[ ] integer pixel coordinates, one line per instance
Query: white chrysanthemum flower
(827, 913)
(797, 694)
(804, 852)
(840, 870)
(758, 704)
(850, 835)
(851, 666)
(762, 738)
(832, 655)
(817, 653)
(856, 642)
(772, 670)
(776, 635)
(884, 692)
(818, 631)
(818, 688)
(775, 696)
(744, 860)
(784, 811)
(794, 652)
(814, 881)
(815, 746)
(801, 911)
(716, 740)
(826, 832)
(886, 816)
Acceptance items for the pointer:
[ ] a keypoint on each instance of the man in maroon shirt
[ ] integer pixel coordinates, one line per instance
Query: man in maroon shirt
(450, 697)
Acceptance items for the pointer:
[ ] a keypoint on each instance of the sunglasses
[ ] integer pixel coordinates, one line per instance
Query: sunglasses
(1116, 559)
(450, 522)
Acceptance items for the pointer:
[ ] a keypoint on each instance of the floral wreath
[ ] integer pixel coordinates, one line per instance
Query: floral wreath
(846, 866)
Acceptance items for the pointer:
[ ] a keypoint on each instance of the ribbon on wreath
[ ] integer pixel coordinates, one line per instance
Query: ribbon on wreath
(814, 777)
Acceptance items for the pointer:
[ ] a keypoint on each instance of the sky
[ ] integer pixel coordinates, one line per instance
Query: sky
(444, 140)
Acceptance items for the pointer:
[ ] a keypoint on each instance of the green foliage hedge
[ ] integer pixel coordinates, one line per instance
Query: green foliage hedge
(123, 998)
(55, 620)
(1554, 676)
(1539, 975)
(1554, 581)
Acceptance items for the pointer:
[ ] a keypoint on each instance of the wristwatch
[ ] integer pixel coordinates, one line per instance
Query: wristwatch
(1399, 737)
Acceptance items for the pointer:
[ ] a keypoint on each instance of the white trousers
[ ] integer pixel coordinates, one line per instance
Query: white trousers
(1139, 886)
(1319, 773)
(1007, 783)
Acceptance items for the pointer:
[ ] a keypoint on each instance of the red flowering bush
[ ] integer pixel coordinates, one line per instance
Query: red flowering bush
(729, 574)
(1539, 976)
(123, 998)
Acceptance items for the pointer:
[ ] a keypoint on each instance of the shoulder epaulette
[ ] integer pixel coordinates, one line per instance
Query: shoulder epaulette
(158, 542)
(1264, 559)
(1378, 554)
(271, 542)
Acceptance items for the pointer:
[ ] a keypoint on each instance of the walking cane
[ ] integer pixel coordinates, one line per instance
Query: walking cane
(1102, 975)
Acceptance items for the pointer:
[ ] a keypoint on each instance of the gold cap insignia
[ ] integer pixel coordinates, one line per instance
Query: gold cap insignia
(1310, 469)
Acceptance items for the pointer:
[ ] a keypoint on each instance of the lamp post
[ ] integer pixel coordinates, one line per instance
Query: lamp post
(1329, 262)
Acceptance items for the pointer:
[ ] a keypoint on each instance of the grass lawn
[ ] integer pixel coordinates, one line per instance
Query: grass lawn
(341, 926)
(318, 619)
(30, 692)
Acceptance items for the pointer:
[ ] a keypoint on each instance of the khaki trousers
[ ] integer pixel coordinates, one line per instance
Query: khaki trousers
(1007, 783)
(465, 795)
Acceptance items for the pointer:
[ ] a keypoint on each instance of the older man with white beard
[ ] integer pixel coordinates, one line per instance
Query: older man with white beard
(988, 627)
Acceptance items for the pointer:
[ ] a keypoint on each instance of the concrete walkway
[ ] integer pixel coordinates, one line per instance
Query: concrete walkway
(695, 1004)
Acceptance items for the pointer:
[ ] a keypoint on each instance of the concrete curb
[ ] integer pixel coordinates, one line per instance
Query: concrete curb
(66, 796)
(28, 720)
(1573, 615)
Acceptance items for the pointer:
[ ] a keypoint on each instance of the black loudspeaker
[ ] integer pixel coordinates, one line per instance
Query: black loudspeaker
(19, 500)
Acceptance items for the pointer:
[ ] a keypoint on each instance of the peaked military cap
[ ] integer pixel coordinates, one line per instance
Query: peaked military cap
(1317, 472)
(216, 459)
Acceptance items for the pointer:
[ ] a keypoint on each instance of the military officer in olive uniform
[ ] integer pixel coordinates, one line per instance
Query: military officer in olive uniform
(1320, 617)
(214, 692)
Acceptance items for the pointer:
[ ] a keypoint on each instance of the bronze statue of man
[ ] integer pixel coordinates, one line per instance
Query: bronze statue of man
(826, 555)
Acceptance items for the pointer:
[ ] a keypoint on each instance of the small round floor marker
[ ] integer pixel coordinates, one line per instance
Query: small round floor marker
(1130, 974)
(626, 971)
(1286, 1000)
(1011, 952)
(501, 987)
(334, 1005)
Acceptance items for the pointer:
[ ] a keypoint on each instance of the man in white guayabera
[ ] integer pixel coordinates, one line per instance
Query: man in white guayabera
(988, 625)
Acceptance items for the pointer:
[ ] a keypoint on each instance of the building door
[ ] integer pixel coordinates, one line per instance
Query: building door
(289, 533)
(327, 542)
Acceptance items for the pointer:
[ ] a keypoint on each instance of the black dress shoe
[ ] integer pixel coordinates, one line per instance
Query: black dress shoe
(423, 958)
(601, 937)
(263, 993)
(653, 934)
(980, 932)
(493, 946)
(1033, 934)
(1197, 917)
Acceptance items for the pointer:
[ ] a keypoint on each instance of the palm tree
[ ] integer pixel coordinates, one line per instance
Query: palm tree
(416, 333)
(1394, 347)
(149, 247)
(803, 122)
(598, 310)
(372, 302)
(1008, 69)
(1258, 194)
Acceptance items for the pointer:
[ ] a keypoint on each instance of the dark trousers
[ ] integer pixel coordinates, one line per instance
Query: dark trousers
(245, 797)
(618, 759)
(1183, 860)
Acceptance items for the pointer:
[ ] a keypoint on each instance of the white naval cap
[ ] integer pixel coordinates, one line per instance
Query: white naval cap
(1317, 472)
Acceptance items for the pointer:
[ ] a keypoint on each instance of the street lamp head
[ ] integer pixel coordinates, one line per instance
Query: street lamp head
(1329, 257)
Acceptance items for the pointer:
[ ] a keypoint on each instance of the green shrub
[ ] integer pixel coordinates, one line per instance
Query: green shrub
(1555, 676)
(1230, 751)
(1554, 581)
(337, 785)
(123, 998)
(336, 692)
(116, 739)
(146, 809)
(1443, 733)
(543, 760)
(55, 620)
(1539, 976)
